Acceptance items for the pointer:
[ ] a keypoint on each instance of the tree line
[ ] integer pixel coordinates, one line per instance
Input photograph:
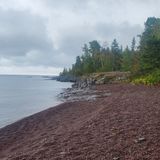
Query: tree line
(142, 59)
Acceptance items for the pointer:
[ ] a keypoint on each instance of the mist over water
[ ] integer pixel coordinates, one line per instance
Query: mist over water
(21, 96)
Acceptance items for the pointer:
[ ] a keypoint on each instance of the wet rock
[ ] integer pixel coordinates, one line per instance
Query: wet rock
(79, 94)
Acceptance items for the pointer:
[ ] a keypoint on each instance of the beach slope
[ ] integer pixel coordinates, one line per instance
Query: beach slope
(123, 125)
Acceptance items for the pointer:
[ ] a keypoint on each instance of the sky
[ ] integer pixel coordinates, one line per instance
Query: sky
(44, 36)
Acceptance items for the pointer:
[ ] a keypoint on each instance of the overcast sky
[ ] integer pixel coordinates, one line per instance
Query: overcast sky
(43, 36)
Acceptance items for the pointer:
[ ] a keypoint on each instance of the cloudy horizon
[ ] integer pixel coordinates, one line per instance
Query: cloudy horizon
(43, 37)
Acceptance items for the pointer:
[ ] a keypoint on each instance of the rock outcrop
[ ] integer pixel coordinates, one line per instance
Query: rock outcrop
(67, 78)
(101, 78)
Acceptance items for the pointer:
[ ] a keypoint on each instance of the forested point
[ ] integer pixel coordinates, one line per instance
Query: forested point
(142, 61)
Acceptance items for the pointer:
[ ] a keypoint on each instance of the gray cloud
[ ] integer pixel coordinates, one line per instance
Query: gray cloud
(21, 32)
(50, 34)
(24, 39)
(123, 32)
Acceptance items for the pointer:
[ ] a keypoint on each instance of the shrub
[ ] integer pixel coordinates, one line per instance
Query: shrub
(152, 78)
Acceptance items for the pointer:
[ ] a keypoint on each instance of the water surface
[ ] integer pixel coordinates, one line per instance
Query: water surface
(21, 96)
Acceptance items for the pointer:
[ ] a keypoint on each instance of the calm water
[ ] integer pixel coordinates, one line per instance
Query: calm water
(21, 96)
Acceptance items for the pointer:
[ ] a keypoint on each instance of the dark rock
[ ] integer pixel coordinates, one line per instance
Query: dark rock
(67, 78)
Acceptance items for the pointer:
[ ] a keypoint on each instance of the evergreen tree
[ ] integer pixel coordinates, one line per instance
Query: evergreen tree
(116, 59)
(133, 46)
(150, 45)
(127, 60)
(146, 57)
(87, 61)
(95, 51)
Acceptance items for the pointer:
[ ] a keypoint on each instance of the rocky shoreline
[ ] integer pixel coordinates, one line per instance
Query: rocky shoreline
(84, 88)
(120, 123)
(82, 94)
(95, 79)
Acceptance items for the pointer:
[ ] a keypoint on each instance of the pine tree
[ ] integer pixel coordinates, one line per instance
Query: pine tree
(116, 60)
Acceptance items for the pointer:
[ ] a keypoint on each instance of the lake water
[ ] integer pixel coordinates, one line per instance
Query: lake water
(21, 96)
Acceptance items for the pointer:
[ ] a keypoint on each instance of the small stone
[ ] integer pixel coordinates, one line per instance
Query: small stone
(140, 140)
(62, 153)
(116, 158)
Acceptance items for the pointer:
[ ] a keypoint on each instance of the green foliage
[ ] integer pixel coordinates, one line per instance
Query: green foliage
(133, 46)
(127, 60)
(116, 58)
(142, 59)
(135, 69)
(150, 45)
(148, 79)
(96, 58)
